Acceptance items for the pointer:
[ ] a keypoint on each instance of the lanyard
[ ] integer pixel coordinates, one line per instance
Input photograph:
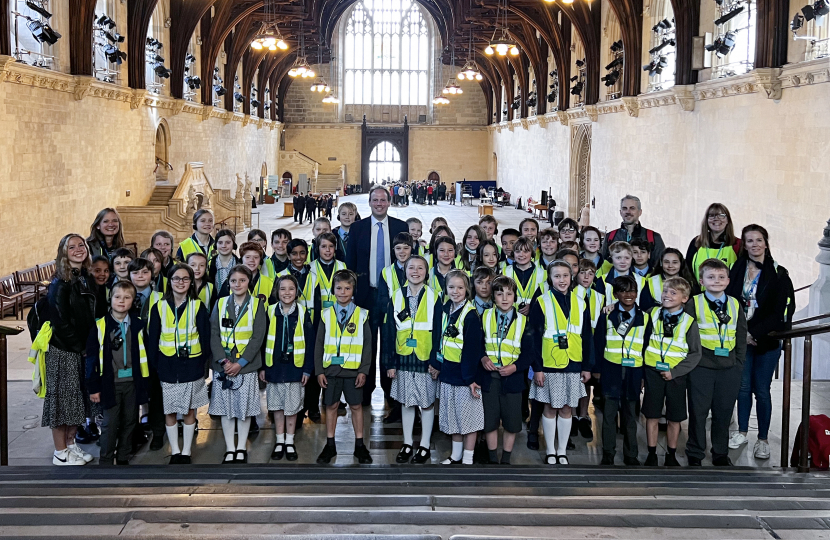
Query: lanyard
(187, 321)
(747, 292)
(499, 337)
(555, 318)
(411, 315)
(531, 284)
(446, 323)
(720, 324)
(123, 328)
(338, 329)
(238, 318)
(285, 330)
(662, 336)
(631, 345)
(325, 281)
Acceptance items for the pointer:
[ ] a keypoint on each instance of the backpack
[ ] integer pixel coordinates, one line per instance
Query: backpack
(819, 443)
(38, 315)
(610, 237)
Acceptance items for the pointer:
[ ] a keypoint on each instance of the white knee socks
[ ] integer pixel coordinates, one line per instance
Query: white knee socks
(242, 428)
(228, 425)
(427, 420)
(408, 422)
(563, 431)
(549, 427)
(457, 450)
(187, 441)
(173, 438)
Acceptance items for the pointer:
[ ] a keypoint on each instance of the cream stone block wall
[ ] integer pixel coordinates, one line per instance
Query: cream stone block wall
(455, 153)
(767, 160)
(303, 105)
(322, 141)
(62, 160)
(469, 108)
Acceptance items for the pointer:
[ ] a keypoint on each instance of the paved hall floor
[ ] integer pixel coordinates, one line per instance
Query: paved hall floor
(32, 445)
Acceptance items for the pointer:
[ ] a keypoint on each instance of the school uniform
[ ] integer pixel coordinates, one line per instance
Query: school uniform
(459, 357)
(342, 241)
(715, 382)
(159, 283)
(438, 281)
(218, 273)
(343, 350)
(263, 287)
(651, 295)
(622, 336)
(191, 245)
(696, 255)
(206, 293)
(273, 266)
(321, 274)
(605, 284)
(314, 253)
(144, 301)
(392, 279)
(305, 296)
(502, 396)
(306, 299)
(482, 305)
(237, 334)
(530, 283)
(117, 369)
(673, 346)
(288, 356)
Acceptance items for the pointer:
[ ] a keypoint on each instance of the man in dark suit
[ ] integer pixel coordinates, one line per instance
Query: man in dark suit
(310, 207)
(368, 251)
(299, 206)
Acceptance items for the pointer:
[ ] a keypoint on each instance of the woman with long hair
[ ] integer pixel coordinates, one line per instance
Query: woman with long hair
(716, 240)
(105, 234)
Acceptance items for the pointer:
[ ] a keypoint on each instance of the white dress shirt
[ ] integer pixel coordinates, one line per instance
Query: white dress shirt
(373, 257)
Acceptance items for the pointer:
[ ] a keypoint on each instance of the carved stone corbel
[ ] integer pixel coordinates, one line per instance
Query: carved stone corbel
(563, 117)
(631, 105)
(684, 96)
(543, 120)
(138, 98)
(206, 111)
(246, 120)
(5, 64)
(525, 124)
(82, 86)
(769, 80)
(592, 112)
(177, 106)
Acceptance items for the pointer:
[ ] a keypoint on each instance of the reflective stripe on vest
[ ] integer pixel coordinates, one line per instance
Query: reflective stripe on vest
(418, 326)
(189, 245)
(451, 347)
(240, 334)
(306, 296)
(390, 276)
(709, 325)
(675, 349)
(351, 341)
(655, 288)
(609, 288)
(596, 305)
(299, 336)
(726, 254)
(536, 281)
(264, 286)
(142, 353)
(325, 282)
(206, 294)
(618, 347)
(188, 332)
(552, 355)
(505, 351)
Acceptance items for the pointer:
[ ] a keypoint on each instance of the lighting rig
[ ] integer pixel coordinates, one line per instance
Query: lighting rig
(41, 31)
(664, 33)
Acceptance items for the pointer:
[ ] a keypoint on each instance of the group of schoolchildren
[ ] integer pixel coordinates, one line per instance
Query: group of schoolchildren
(488, 334)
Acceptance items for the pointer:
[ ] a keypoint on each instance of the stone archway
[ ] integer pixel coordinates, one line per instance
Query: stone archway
(434, 177)
(162, 152)
(579, 191)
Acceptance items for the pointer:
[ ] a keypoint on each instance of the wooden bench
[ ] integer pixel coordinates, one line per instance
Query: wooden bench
(11, 298)
(29, 280)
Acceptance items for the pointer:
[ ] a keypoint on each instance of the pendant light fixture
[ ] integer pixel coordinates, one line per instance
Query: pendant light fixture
(470, 70)
(330, 96)
(320, 84)
(301, 67)
(452, 87)
(439, 99)
(269, 36)
(502, 45)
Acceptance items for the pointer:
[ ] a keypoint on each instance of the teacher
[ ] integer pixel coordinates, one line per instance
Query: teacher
(366, 257)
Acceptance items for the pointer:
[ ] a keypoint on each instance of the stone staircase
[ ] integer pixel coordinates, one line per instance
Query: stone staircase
(409, 503)
(329, 183)
(161, 195)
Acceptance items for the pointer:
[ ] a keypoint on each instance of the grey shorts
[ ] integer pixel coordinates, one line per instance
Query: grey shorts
(501, 408)
(342, 386)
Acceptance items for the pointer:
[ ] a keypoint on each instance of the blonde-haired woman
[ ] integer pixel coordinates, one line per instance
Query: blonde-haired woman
(72, 316)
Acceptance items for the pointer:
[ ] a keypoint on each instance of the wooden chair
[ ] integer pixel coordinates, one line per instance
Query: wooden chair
(47, 270)
(29, 280)
(10, 299)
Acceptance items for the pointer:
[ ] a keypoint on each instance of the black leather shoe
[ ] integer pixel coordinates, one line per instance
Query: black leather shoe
(422, 455)
(157, 443)
(651, 460)
(291, 452)
(694, 462)
(533, 441)
(241, 456)
(314, 416)
(671, 461)
(229, 458)
(279, 451)
(405, 454)
(121, 462)
(585, 428)
(93, 431)
(184, 460)
(481, 455)
(632, 461)
(254, 431)
(575, 427)
(722, 461)
(176, 459)
(329, 451)
(362, 455)
(607, 459)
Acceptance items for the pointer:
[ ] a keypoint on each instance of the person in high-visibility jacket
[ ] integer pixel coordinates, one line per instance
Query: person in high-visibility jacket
(548, 246)
(323, 268)
(461, 414)
(342, 359)
(560, 326)
(201, 240)
(278, 261)
(153, 255)
(672, 352)
(530, 279)
(205, 290)
(503, 369)
(289, 364)
(716, 240)
(621, 337)
(488, 257)
(672, 264)
(410, 338)
(178, 349)
(163, 241)
(116, 373)
(482, 279)
(224, 258)
(467, 249)
(416, 230)
(590, 242)
(238, 327)
(621, 260)
(251, 255)
(443, 253)
(716, 381)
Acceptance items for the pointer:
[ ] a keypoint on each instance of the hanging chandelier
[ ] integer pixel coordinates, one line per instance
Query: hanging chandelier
(320, 84)
(330, 98)
(503, 44)
(440, 100)
(470, 70)
(269, 36)
(452, 87)
(301, 68)
(330, 95)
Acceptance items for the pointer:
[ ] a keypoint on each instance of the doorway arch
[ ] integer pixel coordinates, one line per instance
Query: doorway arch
(162, 151)
(384, 163)
(434, 177)
(580, 178)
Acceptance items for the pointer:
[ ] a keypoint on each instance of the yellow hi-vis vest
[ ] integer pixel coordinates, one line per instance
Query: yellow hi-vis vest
(305, 297)
(655, 288)
(348, 342)
(206, 294)
(609, 288)
(713, 335)
(537, 281)
(604, 268)
(240, 333)
(390, 276)
(570, 325)
(264, 286)
(325, 283)
(142, 353)
(451, 347)
(299, 336)
(189, 245)
(432, 282)
(673, 350)
(722, 253)
(417, 326)
(188, 332)
(618, 347)
(596, 304)
(503, 351)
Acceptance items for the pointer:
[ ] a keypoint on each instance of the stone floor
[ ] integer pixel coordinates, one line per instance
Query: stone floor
(31, 444)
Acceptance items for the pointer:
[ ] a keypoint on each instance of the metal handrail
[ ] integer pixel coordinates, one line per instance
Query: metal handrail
(787, 335)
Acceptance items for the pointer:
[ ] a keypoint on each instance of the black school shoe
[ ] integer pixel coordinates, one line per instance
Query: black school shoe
(362, 455)
(532, 441)
(585, 428)
(422, 455)
(722, 461)
(481, 455)
(243, 459)
(651, 460)
(405, 454)
(279, 451)
(694, 462)
(121, 462)
(671, 461)
(291, 453)
(176, 459)
(607, 459)
(631, 461)
(329, 452)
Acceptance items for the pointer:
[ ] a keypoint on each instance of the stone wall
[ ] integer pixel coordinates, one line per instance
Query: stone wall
(469, 108)
(62, 159)
(766, 159)
(303, 105)
(455, 153)
(323, 141)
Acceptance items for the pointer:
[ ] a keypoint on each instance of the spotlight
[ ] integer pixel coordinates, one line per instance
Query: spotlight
(114, 55)
(797, 22)
(43, 33)
(580, 63)
(665, 43)
(819, 8)
(157, 59)
(238, 97)
(616, 46)
(153, 43)
(35, 7)
(219, 89)
(114, 37)
(103, 20)
(189, 58)
(552, 97)
(162, 71)
(194, 83)
(531, 101)
(254, 103)
(731, 15)
(577, 88)
(665, 24)
(611, 78)
(723, 45)
(655, 67)
(614, 63)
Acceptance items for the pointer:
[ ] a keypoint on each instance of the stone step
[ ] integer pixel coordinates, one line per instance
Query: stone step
(161, 195)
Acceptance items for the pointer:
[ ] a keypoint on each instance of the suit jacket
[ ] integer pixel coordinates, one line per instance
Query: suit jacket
(359, 252)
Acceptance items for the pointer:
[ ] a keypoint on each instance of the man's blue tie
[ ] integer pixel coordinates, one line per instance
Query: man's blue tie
(381, 260)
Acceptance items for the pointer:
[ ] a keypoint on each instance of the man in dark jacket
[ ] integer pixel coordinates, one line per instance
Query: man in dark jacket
(630, 228)
(299, 207)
